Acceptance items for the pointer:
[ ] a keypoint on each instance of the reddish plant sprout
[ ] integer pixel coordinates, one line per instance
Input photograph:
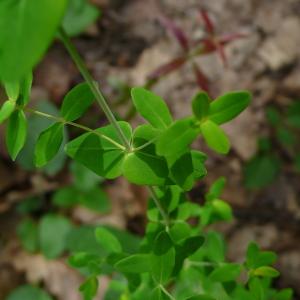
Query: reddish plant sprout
(212, 42)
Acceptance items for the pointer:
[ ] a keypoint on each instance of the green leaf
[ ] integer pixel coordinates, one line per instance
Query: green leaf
(151, 107)
(6, 110)
(256, 289)
(28, 234)
(16, 133)
(228, 106)
(107, 240)
(261, 170)
(48, 144)
(200, 105)
(198, 159)
(25, 89)
(224, 273)
(76, 102)
(53, 230)
(162, 258)
(80, 14)
(12, 89)
(89, 288)
(215, 137)
(32, 26)
(215, 247)
(177, 137)
(285, 294)
(222, 209)
(201, 297)
(136, 263)
(65, 197)
(293, 117)
(98, 154)
(180, 231)
(216, 189)
(266, 271)
(28, 292)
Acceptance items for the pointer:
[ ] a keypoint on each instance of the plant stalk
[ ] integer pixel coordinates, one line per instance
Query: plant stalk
(94, 87)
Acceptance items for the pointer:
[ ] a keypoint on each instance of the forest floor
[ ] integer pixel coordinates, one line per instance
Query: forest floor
(128, 43)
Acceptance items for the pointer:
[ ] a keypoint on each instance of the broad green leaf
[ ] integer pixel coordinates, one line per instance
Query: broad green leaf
(76, 102)
(285, 294)
(28, 234)
(177, 137)
(162, 258)
(36, 125)
(182, 169)
(107, 240)
(215, 137)
(222, 209)
(16, 133)
(136, 263)
(224, 273)
(216, 189)
(215, 247)
(228, 106)
(28, 292)
(151, 107)
(158, 294)
(180, 231)
(80, 14)
(32, 26)
(53, 230)
(198, 159)
(48, 144)
(200, 105)
(6, 110)
(89, 288)
(201, 297)
(256, 289)
(98, 154)
(261, 171)
(25, 89)
(65, 197)
(81, 259)
(266, 271)
(12, 89)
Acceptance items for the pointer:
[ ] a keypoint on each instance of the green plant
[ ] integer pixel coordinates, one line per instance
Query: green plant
(278, 149)
(178, 258)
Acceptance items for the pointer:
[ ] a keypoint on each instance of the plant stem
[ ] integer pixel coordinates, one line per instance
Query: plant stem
(159, 206)
(94, 87)
(62, 120)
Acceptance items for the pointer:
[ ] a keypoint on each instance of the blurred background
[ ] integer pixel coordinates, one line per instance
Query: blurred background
(175, 48)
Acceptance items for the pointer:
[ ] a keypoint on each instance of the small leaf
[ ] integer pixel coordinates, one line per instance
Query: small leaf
(53, 230)
(228, 106)
(198, 159)
(201, 297)
(76, 102)
(16, 133)
(25, 90)
(216, 189)
(89, 288)
(12, 89)
(266, 271)
(163, 258)
(137, 263)
(177, 137)
(151, 107)
(256, 289)
(228, 272)
(222, 209)
(215, 137)
(28, 292)
(200, 105)
(28, 234)
(6, 110)
(48, 144)
(107, 240)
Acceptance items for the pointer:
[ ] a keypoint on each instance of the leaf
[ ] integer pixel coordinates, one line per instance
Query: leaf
(6, 110)
(76, 102)
(136, 263)
(200, 105)
(53, 230)
(256, 289)
(80, 14)
(32, 26)
(198, 159)
(180, 231)
(48, 144)
(98, 154)
(261, 170)
(28, 292)
(216, 189)
(28, 234)
(89, 288)
(25, 89)
(215, 247)
(224, 273)
(12, 89)
(266, 271)
(215, 137)
(162, 258)
(65, 197)
(228, 106)
(16, 133)
(177, 137)
(201, 297)
(107, 240)
(151, 107)
(285, 294)
(223, 209)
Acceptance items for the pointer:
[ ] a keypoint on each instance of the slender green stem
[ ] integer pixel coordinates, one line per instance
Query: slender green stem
(145, 145)
(94, 87)
(160, 207)
(166, 292)
(85, 128)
